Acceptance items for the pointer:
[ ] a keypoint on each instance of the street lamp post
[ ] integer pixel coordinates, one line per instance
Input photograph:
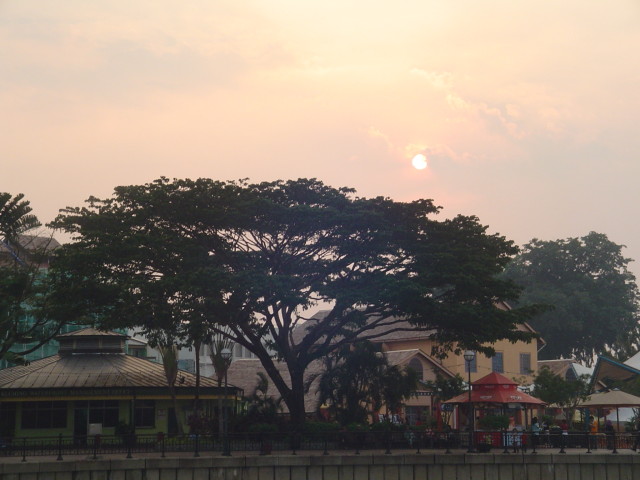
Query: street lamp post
(226, 451)
(469, 355)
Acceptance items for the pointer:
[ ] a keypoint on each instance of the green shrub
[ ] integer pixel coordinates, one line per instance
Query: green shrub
(320, 427)
(263, 428)
(387, 426)
(548, 420)
(357, 427)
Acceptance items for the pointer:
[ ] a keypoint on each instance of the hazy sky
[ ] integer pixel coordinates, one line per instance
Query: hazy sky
(528, 111)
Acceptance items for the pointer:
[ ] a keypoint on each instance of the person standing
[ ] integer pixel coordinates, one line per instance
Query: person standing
(564, 430)
(535, 432)
(609, 432)
(593, 430)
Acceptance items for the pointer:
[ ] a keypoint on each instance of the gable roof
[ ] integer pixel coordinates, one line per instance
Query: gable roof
(557, 366)
(567, 368)
(403, 357)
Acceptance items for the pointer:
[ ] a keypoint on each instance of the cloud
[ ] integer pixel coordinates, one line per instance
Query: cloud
(439, 80)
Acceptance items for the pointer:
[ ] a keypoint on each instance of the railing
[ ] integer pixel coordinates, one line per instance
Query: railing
(293, 442)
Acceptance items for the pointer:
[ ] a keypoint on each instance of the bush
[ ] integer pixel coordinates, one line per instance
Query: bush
(262, 428)
(548, 420)
(387, 426)
(357, 427)
(123, 428)
(202, 424)
(320, 427)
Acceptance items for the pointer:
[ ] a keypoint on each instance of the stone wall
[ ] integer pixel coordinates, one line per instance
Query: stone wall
(335, 467)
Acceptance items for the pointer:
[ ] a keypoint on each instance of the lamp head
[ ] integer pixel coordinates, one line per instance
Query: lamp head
(469, 355)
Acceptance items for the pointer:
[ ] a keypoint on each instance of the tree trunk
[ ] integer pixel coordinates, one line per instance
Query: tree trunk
(176, 416)
(220, 417)
(196, 402)
(295, 401)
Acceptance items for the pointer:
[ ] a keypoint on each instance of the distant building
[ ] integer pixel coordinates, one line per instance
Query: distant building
(30, 250)
(567, 368)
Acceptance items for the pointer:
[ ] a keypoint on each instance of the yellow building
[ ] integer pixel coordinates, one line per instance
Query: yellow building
(517, 361)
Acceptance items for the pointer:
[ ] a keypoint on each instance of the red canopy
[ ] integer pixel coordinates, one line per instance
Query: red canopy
(495, 388)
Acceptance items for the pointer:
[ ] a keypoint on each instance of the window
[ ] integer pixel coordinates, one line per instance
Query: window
(416, 415)
(471, 366)
(497, 362)
(525, 363)
(7, 419)
(416, 366)
(145, 413)
(188, 365)
(44, 415)
(106, 412)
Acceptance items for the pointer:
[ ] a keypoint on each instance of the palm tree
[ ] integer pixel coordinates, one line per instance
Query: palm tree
(15, 217)
(169, 353)
(358, 381)
(220, 364)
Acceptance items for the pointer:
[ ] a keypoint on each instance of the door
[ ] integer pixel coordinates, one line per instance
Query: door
(172, 425)
(80, 424)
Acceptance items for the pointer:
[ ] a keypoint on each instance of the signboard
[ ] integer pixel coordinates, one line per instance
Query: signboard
(422, 394)
(95, 429)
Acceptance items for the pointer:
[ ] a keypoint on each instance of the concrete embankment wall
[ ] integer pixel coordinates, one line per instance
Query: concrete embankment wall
(336, 467)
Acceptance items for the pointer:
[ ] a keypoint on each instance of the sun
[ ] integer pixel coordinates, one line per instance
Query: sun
(419, 162)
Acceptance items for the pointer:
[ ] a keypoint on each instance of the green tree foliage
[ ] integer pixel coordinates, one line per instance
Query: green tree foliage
(358, 381)
(595, 297)
(251, 260)
(260, 407)
(555, 390)
(443, 389)
(29, 313)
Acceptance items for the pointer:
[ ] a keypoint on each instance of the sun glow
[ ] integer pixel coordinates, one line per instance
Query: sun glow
(419, 162)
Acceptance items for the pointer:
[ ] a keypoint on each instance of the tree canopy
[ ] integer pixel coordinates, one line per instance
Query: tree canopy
(254, 261)
(593, 294)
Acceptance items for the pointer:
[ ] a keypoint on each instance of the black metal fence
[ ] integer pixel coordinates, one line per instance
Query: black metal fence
(324, 443)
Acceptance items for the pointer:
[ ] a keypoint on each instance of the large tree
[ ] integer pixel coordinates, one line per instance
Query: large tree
(253, 260)
(593, 294)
